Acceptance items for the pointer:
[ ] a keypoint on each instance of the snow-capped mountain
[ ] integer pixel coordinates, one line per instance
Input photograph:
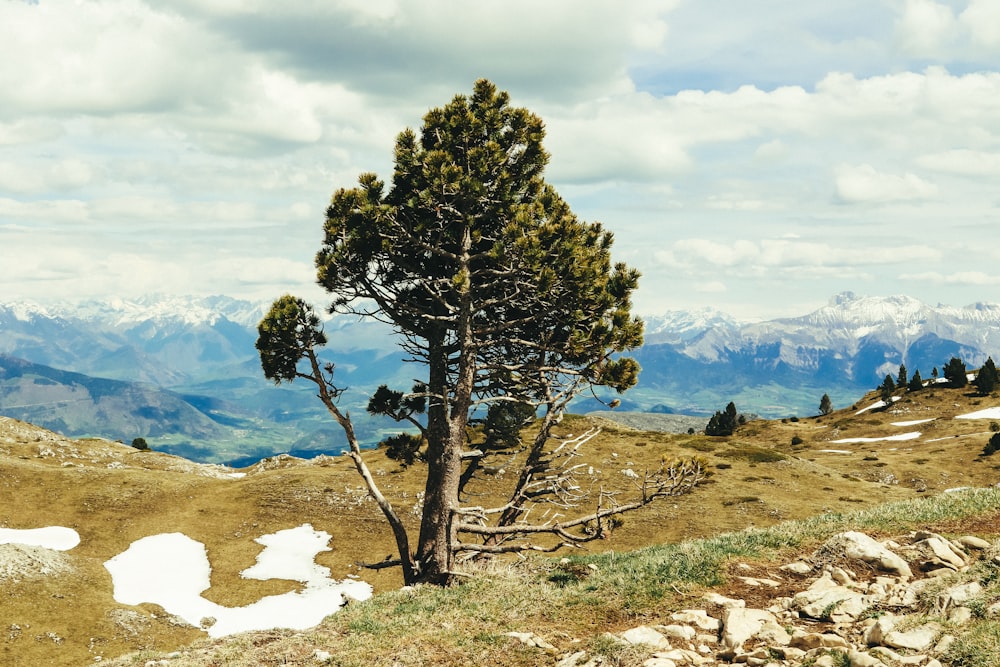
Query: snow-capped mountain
(693, 361)
(845, 347)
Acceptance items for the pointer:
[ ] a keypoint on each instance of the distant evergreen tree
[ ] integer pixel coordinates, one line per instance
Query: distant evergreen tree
(956, 373)
(504, 421)
(723, 423)
(885, 391)
(825, 405)
(140, 443)
(987, 378)
(916, 382)
(934, 373)
(901, 380)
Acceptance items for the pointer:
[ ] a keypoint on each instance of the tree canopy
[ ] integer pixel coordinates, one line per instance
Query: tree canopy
(956, 373)
(494, 286)
(987, 378)
(723, 423)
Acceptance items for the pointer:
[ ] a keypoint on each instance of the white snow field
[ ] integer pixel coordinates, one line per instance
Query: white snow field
(876, 405)
(58, 538)
(902, 436)
(913, 422)
(172, 570)
(988, 413)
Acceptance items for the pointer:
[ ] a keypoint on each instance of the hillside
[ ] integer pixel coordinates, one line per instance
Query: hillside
(113, 495)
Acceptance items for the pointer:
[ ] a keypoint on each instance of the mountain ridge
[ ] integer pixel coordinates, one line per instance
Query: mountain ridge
(694, 362)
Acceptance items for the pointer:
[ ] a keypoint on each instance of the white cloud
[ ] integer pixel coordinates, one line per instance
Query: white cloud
(963, 161)
(926, 27)
(982, 19)
(45, 176)
(966, 278)
(864, 184)
(185, 142)
(711, 287)
(787, 254)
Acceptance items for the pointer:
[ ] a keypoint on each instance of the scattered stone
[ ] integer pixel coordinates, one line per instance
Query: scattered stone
(723, 601)
(531, 639)
(958, 595)
(740, 624)
(973, 542)
(917, 639)
(698, 618)
(858, 546)
(646, 635)
(798, 567)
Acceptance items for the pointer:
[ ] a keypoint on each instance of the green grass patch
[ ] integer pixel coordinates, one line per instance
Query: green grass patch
(753, 454)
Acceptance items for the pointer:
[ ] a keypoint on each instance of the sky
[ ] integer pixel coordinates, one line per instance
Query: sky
(751, 157)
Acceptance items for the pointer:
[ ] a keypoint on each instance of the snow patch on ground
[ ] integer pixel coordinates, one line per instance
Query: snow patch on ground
(876, 405)
(913, 422)
(902, 436)
(988, 413)
(51, 537)
(181, 572)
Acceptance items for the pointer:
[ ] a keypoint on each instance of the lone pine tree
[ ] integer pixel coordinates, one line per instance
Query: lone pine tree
(498, 290)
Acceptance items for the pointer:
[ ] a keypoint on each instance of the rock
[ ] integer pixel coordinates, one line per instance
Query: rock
(960, 615)
(859, 659)
(759, 581)
(683, 632)
(917, 639)
(838, 604)
(723, 601)
(645, 635)
(659, 662)
(741, 624)
(859, 546)
(572, 660)
(944, 644)
(812, 640)
(958, 595)
(935, 550)
(798, 567)
(973, 542)
(697, 618)
(882, 626)
(683, 657)
(841, 576)
(531, 639)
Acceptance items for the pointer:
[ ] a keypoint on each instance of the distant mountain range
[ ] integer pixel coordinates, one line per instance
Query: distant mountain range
(782, 367)
(187, 372)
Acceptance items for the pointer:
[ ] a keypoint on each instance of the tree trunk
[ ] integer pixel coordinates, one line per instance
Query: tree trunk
(447, 418)
(434, 554)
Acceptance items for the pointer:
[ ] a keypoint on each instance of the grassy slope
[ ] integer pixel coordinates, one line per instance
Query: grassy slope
(113, 495)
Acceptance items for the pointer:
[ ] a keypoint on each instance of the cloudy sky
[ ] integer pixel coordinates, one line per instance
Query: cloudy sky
(755, 157)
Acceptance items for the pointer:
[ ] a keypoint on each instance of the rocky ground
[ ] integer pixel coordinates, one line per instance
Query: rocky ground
(856, 602)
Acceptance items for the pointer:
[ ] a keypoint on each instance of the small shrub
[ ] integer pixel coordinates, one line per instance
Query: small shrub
(796, 440)
(994, 427)
(742, 500)
(992, 446)
(140, 443)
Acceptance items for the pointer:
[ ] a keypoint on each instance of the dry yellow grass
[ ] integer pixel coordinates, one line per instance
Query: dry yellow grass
(113, 494)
